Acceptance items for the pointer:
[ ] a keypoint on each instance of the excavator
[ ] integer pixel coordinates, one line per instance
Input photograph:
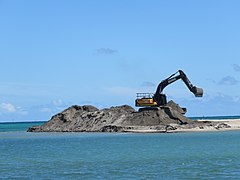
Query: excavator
(150, 101)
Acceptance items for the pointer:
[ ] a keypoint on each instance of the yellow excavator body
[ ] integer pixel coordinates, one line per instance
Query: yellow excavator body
(145, 102)
(145, 99)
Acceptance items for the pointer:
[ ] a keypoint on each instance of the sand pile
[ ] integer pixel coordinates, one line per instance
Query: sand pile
(88, 118)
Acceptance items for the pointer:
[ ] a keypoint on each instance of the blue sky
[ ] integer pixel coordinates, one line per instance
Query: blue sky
(58, 53)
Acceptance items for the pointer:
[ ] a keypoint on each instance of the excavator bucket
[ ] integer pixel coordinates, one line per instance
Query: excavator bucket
(198, 92)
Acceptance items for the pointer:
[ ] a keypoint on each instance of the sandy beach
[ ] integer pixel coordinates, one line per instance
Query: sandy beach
(217, 125)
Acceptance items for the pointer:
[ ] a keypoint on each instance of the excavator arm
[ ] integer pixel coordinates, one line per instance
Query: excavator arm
(160, 98)
(198, 92)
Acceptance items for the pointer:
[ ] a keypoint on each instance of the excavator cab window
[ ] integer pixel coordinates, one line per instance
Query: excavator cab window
(144, 95)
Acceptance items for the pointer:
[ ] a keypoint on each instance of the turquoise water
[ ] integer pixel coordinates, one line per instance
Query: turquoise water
(17, 126)
(216, 118)
(213, 155)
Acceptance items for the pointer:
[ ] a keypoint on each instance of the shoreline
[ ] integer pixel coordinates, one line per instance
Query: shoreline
(199, 126)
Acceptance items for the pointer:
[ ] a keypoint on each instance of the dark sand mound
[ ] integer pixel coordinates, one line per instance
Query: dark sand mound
(88, 118)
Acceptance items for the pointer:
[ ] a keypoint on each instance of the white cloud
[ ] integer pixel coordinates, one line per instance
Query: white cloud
(122, 90)
(236, 99)
(148, 84)
(57, 102)
(236, 67)
(105, 51)
(8, 107)
(228, 80)
(46, 110)
(53, 107)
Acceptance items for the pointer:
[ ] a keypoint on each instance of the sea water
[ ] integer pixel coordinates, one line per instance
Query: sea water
(208, 155)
